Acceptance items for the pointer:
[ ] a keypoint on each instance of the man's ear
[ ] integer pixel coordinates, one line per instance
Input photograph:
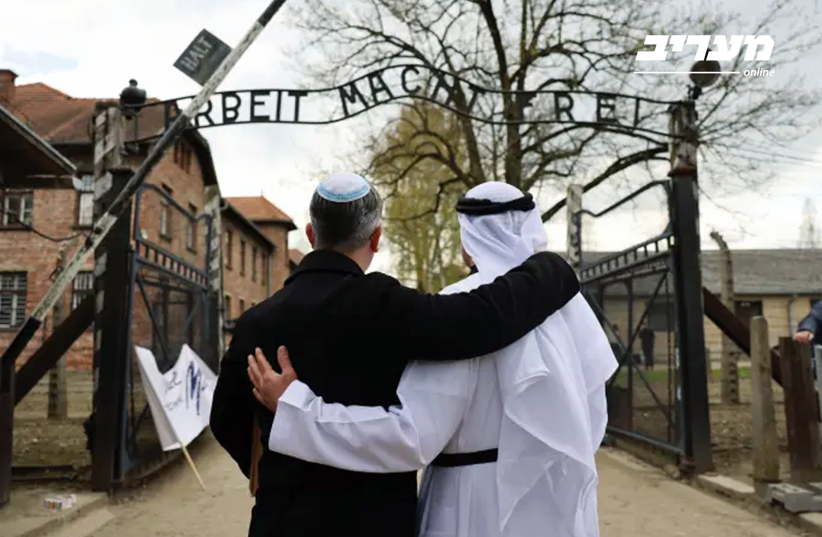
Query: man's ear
(375, 239)
(309, 232)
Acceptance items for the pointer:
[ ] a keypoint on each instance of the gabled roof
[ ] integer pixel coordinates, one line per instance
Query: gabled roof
(41, 158)
(756, 272)
(229, 209)
(260, 210)
(64, 120)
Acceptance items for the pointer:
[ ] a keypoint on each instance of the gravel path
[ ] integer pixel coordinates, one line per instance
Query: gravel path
(635, 500)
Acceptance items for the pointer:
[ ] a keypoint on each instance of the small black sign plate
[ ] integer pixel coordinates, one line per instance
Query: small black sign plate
(202, 57)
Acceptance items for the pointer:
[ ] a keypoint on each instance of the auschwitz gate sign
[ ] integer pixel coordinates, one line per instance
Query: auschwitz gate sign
(609, 111)
(180, 399)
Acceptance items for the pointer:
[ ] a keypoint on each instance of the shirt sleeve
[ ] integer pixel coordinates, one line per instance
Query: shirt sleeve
(433, 399)
(811, 322)
(482, 321)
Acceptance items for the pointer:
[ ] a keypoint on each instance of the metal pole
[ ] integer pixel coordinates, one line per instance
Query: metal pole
(684, 207)
(106, 222)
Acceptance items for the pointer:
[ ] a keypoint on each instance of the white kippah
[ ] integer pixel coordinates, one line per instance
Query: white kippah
(343, 187)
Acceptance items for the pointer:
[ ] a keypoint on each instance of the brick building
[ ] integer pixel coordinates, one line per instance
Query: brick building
(61, 207)
(275, 225)
(27, 259)
(248, 262)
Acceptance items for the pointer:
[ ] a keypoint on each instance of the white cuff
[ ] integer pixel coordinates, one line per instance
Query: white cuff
(296, 395)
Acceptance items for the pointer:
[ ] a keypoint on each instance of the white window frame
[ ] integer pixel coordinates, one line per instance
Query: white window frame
(11, 214)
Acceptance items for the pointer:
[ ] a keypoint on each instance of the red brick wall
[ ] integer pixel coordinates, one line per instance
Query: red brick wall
(278, 234)
(237, 286)
(55, 214)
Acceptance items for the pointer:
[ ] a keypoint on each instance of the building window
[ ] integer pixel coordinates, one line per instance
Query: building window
(265, 269)
(191, 231)
(745, 309)
(82, 287)
(242, 306)
(242, 257)
(254, 264)
(12, 299)
(227, 307)
(229, 249)
(182, 156)
(85, 202)
(165, 214)
(18, 208)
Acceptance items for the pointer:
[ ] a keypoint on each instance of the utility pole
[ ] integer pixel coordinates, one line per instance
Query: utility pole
(58, 400)
(808, 234)
(730, 370)
(574, 220)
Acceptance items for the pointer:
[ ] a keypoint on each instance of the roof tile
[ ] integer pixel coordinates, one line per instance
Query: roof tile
(257, 208)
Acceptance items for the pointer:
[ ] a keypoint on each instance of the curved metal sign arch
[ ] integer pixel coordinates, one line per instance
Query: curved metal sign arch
(607, 111)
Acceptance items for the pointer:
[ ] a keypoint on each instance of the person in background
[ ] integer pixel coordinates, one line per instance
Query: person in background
(647, 337)
(809, 328)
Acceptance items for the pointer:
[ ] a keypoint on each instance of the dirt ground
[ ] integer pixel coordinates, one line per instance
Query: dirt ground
(40, 442)
(634, 499)
(731, 431)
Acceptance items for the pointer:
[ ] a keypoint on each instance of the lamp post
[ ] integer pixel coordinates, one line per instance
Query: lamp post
(131, 99)
(692, 396)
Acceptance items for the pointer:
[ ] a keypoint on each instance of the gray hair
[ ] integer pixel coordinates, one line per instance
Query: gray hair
(345, 226)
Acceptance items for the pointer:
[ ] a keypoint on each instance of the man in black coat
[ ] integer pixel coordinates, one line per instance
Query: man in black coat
(350, 336)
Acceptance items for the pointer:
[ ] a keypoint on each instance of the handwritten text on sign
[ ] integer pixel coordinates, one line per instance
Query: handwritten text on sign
(180, 399)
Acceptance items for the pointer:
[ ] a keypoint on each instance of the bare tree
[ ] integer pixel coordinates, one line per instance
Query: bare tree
(569, 45)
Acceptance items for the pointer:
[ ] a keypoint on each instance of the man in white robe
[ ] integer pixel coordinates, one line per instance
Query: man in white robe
(508, 439)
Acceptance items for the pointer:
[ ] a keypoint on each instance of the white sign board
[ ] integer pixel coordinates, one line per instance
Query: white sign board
(180, 399)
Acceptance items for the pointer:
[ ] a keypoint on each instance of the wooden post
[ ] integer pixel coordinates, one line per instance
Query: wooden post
(730, 373)
(765, 440)
(58, 400)
(800, 403)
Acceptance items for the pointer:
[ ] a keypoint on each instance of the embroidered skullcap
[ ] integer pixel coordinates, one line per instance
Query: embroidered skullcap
(343, 187)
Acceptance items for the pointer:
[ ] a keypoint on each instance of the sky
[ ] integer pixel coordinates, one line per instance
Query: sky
(91, 48)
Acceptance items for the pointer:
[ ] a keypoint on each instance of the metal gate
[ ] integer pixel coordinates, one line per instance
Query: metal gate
(648, 298)
(170, 306)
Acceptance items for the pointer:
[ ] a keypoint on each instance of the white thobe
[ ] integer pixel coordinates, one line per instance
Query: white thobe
(445, 407)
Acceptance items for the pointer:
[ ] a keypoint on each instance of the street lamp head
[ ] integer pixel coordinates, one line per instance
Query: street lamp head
(132, 98)
(705, 73)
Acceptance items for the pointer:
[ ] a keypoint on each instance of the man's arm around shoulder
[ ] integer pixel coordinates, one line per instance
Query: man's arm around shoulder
(485, 320)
